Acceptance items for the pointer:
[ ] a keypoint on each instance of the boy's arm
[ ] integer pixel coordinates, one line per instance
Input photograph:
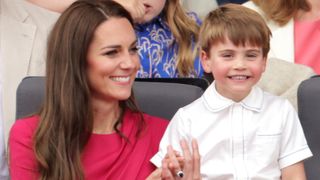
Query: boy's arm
(294, 172)
(176, 130)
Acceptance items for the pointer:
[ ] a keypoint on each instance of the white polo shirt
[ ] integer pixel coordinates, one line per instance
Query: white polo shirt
(251, 139)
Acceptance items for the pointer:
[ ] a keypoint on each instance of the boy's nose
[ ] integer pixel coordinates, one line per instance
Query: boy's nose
(239, 63)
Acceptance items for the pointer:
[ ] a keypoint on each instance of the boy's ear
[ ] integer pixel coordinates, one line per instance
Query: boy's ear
(205, 61)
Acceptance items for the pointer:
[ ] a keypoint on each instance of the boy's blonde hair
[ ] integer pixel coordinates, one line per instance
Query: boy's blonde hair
(185, 31)
(241, 25)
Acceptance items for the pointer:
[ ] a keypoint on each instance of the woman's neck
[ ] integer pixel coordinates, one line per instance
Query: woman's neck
(312, 15)
(105, 115)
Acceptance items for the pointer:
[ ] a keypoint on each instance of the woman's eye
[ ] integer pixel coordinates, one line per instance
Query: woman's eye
(134, 50)
(111, 53)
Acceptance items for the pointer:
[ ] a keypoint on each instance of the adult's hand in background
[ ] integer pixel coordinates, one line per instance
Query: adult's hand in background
(190, 166)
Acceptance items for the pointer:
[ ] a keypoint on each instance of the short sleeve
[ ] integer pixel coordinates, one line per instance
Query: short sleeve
(294, 147)
(176, 130)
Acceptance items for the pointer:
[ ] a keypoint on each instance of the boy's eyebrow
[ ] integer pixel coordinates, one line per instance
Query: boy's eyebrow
(226, 50)
(255, 50)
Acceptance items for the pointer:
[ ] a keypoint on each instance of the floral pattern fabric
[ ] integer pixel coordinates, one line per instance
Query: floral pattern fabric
(158, 50)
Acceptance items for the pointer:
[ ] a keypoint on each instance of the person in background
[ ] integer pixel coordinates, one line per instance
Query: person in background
(89, 126)
(200, 7)
(295, 26)
(240, 131)
(166, 41)
(24, 27)
(4, 173)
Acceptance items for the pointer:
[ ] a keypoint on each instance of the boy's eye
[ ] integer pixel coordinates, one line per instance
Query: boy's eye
(227, 55)
(252, 55)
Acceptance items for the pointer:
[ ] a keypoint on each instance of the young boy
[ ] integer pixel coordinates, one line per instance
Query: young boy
(242, 132)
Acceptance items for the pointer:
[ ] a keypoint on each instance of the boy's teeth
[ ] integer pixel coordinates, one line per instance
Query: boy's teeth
(121, 79)
(239, 77)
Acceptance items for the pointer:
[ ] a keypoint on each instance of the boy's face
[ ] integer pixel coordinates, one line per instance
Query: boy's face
(235, 68)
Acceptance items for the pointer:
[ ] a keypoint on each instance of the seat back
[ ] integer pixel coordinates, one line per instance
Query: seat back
(159, 97)
(309, 114)
(30, 96)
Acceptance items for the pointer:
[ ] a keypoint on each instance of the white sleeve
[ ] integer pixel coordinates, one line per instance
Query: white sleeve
(294, 147)
(177, 129)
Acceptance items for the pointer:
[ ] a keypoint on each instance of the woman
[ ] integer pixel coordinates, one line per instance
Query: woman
(295, 26)
(89, 126)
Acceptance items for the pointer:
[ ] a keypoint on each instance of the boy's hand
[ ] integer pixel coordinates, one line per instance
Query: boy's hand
(135, 8)
(190, 166)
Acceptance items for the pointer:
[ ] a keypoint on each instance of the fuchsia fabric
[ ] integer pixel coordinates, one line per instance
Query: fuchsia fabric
(106, 156)
(307, 46)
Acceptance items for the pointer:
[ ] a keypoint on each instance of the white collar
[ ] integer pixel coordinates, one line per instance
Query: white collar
(216, 102)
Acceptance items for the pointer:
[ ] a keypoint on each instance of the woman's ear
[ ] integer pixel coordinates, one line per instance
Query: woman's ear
(205, 61)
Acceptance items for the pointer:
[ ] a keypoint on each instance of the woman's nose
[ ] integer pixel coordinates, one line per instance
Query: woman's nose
(129, 60)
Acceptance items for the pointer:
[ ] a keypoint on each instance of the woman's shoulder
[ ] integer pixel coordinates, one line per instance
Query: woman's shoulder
(24, 127)
(150, 121)
(155, 121)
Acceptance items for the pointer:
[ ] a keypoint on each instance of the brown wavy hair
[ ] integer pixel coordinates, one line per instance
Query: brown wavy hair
(185, 30)
(238, 23)
(66, 118)
(281, 11)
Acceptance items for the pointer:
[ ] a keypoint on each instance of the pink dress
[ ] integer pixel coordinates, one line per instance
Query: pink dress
(106, 156)
(307, 43)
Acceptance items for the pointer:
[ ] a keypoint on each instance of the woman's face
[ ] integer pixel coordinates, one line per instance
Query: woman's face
(112, 60)
(152, 9)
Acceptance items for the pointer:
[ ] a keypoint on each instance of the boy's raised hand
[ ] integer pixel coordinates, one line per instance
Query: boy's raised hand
(135, 8)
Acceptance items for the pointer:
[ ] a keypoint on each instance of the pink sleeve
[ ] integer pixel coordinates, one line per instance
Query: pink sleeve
(22, 161)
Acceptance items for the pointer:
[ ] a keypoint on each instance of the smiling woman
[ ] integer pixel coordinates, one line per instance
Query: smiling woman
(113, 60)
(89, 126)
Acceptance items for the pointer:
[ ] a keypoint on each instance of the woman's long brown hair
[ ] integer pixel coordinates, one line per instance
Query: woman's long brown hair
(66, 119)
(281, 11)
(185, 30)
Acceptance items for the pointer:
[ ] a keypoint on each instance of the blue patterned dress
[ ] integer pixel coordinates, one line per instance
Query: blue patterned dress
(158, 50)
